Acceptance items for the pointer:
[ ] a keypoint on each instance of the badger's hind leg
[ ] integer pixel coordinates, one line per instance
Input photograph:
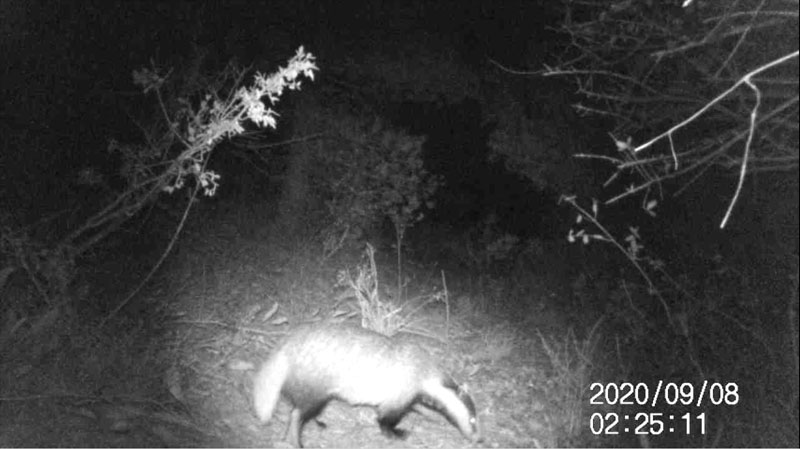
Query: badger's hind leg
(294, 428)
(388, 418)
(298, 418)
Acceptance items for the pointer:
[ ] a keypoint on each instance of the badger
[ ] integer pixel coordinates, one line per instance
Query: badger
(323, 362)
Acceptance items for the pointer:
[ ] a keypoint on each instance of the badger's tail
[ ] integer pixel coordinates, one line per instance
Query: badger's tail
(267, 384)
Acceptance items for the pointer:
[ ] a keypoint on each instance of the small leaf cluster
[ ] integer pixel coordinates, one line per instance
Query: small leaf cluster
(198, 126)
(376, 172)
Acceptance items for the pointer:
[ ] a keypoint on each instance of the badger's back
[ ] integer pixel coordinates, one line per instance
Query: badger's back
(353, 364)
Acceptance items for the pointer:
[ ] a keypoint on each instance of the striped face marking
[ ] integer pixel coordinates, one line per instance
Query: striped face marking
(454, 403)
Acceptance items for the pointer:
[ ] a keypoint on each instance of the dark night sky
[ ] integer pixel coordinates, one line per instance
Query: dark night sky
(70, 65)
(68, 86)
